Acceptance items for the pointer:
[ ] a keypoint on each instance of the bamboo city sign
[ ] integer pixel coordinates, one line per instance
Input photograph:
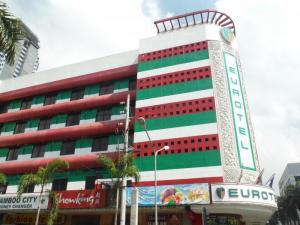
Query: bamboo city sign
(25, 201)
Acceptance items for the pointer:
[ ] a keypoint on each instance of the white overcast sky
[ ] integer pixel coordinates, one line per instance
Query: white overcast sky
(267, 30)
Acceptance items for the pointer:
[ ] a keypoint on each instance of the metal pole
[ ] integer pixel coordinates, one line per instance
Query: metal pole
(124, 180)
(155, 188)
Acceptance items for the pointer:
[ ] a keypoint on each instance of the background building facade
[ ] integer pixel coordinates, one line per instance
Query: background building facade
(26, 60)
(290, 176)
(186, 82)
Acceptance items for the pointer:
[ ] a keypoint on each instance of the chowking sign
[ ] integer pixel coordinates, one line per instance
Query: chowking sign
(241, 127)
(25, 201)
(242, 194)
(94, 198)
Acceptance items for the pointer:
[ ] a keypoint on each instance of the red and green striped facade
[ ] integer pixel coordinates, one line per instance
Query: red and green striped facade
(175, 96)
(174, 83)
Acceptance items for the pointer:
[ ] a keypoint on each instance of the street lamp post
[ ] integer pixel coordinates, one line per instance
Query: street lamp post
(142, 123)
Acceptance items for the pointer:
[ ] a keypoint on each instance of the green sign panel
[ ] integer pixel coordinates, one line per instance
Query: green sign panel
(241, 127)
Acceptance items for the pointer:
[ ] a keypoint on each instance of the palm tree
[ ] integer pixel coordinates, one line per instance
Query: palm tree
(11, 31)
(2, 179)
(120, 169)
(42, 177)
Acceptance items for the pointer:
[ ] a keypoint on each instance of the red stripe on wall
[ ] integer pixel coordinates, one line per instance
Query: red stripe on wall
(31, 166)
(178, 50)
(181, 181)
(72, 132)
(177, 108)
(78, 81)
(179, 145)
(173, 78)
(66, 107)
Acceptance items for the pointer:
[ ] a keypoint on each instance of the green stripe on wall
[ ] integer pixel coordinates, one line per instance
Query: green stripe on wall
(3, 152)
(178, 121)
(174, 60)
(173, 89)
(178, 161)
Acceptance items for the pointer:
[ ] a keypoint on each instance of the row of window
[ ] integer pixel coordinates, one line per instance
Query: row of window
(57, 185)
(72, 119)
(51, 98)
(67, 148)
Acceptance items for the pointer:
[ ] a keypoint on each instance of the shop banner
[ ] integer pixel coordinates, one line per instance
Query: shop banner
(30, 219)
(25, 201)
(94, 198)
(180, 194)
(243, 194)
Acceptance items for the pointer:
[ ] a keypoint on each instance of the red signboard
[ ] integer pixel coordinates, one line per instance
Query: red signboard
(81, 199)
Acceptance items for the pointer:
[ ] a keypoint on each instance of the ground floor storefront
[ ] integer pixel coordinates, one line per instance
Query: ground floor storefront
(219, 203)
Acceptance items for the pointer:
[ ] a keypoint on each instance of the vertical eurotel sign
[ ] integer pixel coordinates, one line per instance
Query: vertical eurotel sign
(241, 127)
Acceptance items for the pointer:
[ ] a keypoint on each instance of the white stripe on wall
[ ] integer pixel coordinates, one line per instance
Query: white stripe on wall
(58, 125)
(76, 185)
(13, 110)
(118, 117)
(12, 189)
(82, 151)
(120, 90)
(30, 129)
(62, 100)
(52, 154)
(171, 69)
(2, 159)
(187, 173)
(113, 148)
(36, 105)
(176, 132)
(90, 95)
(24, 157)
(87, 121)
(7, 133)
(174, 98)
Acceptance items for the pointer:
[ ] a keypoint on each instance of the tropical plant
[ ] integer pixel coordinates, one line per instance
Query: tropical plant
(11, 31)
(119, 169)
(288, 204)
(2, 179)
(42, 177)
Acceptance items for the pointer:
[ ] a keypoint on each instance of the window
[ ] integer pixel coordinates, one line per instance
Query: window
(38, 151)
(12, 154)
(29, 189)
(20, 127)
(68, 148)
(103, 114)
(3, 108)
(106, 88)
(132, 84)
(77, 94)
(100, 144)
(50, 99)
(3, 188)
(73, 119)
(44, 124)
(26, 104)
(90, 182)
(59, 184)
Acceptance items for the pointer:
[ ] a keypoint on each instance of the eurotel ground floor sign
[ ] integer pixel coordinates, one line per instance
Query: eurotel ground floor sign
(237, 193)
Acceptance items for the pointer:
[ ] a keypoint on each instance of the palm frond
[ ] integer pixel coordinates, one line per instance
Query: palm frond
(26, 181)
(11, 31)
(53, 197)
(2, 179)
(51, 168)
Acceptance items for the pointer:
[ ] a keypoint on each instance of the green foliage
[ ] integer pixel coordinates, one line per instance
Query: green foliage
(288, 204)
(2, 179)
(11, 31)
(54, 208)
(43, 176)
